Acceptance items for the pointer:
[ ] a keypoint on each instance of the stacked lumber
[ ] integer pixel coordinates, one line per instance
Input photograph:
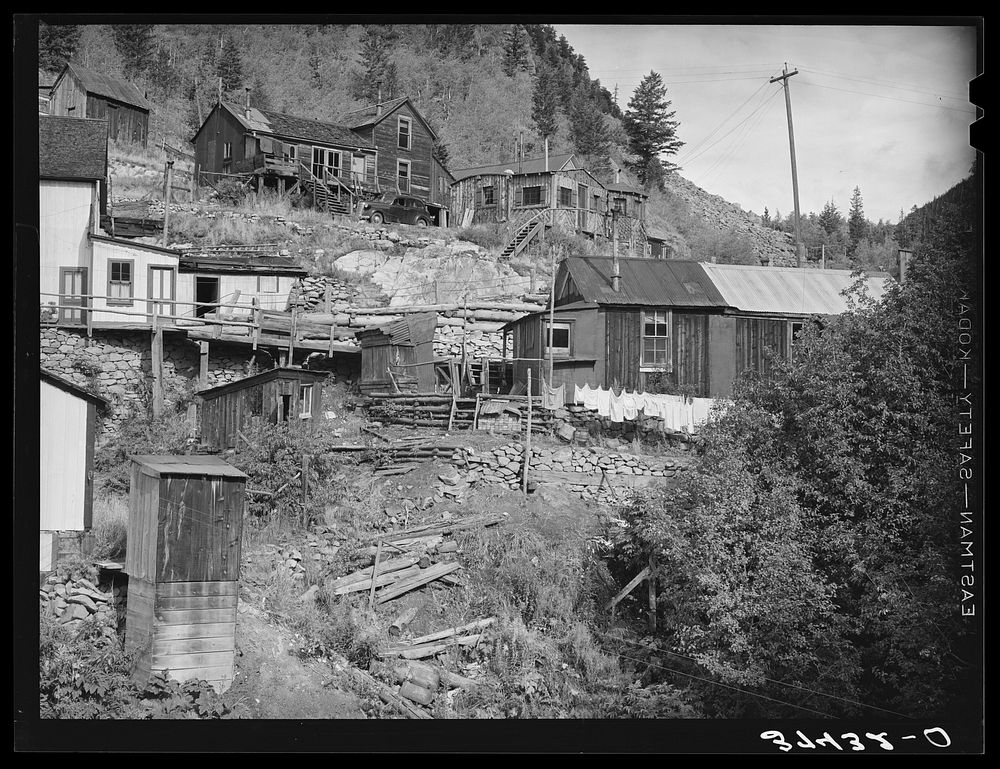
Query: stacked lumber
(433, 644)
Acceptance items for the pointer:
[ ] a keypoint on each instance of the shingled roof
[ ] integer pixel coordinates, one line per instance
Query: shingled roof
(368, 115)
(100, 84)
(72, 148)
(294, 127)
(526, 166)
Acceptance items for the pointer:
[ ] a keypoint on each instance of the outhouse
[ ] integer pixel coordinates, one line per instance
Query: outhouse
(401, 351)
(183, 564)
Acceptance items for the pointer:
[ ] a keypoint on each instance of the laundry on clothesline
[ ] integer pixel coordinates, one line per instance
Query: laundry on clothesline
(678, 413)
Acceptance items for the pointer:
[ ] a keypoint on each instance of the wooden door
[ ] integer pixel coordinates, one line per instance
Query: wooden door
(162, 288)
(72, 291)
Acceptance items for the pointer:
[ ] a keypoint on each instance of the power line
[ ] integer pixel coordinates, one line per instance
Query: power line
(738, 143)
(890, 98)
(694, 147)
(734, 128)
(888, 83)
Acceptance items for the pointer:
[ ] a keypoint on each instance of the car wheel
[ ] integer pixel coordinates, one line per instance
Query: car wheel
(421, 222)
(377, 218)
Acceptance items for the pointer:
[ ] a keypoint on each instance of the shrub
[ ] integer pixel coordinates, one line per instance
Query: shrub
(140, 433)
(489, 236)
(230, 192)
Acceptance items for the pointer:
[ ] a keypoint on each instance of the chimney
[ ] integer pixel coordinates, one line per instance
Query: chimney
(378, 105)
(904, 264)
(546, 153)
(247, 112)
(618, 175)
(616, 278)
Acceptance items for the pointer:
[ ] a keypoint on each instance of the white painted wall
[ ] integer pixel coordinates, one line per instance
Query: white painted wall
(63, 449)
(64, 211)
(142, 259)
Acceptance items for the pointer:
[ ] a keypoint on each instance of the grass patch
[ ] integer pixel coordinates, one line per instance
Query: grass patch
(110, 525)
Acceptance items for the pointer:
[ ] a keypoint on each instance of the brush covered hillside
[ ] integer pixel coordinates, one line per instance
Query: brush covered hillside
(483, 87)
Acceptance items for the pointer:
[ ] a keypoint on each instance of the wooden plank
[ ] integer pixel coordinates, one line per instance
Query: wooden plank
(627, 589)
(192, 631)
(221, 674)
(140, 587)
(178, 602)
(429, 575)
(197, 660)
(167, 589)
(195, 616)
(167, 646)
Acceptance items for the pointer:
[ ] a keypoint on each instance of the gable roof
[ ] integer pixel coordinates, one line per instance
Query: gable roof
(788, 290)
(630, 188)
(279, 372)
(279, 124)
(647, 282)
(72, 148)
(70, 387)
(100, 84)
(370, 114)
(527, 166)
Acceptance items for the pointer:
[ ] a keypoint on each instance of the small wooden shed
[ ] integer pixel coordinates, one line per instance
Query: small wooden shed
(280, 395)
(404, 347)
(82, 92)
(183, 563)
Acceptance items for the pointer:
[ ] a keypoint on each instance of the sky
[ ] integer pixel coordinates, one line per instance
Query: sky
(881, 108)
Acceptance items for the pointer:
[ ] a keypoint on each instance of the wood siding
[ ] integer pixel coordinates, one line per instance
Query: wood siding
(65, 212)
(385, 137)
(623, 351)
(126, 124)
(375, 363)
(67, 436)
(209, 143)
(186, 628)
(722, 355)
(689, 349)
(142, 259)
(756, 339)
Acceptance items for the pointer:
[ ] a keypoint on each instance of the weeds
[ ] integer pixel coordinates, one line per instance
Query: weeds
(110, 527)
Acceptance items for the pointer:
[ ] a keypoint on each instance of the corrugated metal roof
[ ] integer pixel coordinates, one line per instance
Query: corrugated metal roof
(188, 464)
(648, 282)
(787, 290)
(72, 147)
(111, 88)
(294, 127)
(527, 166)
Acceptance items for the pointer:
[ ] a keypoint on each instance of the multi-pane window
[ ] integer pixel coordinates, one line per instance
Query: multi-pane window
(120, 282)
(227, 150)
(267, 284)
(531, 196)
(404, 132)
(619, 205)
(489, 196)
(558, 338)
(403, 175)
(565, 197)
(655, 338)
(305, 401)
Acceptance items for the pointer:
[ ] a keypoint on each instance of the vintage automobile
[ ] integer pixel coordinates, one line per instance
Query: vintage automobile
(401, 209)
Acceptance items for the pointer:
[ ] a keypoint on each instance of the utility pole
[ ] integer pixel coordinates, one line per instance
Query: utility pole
(785, 74)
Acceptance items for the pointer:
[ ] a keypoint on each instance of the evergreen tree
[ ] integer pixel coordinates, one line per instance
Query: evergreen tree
(766, 218)
(515, 51)
(135, 46)
(56, 45)
(652, 131)
(230, 65)
(162, 75)
(544, 104)
(830, 220)
(378, 72)
(587, 128)
(857, 225)
(440, 152)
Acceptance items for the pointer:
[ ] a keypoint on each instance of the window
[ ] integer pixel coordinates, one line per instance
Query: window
(558, 338)
(794, 330)
(227, 151)
(305, 401)
(326, 162)
(531, 196)
(289, 152)
(656, 339)
(267, 284)
(120, 282)
(403, 175)
(489, 196)
(566, 197)
(162, 284)
(404, 124)
(619, 205)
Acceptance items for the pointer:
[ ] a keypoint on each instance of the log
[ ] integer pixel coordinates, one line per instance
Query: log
(627, 589)
(479, 624)
(399, 624)
(418, 694)
(386, 567)
(381, 580)
(388, 696)
(427, 575)
(451, 546)
(432, 649)
(486, 519)
(423, 671)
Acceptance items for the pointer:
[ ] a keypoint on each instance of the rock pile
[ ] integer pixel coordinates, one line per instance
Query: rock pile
(651, 430)
(73, 601)
(320, 548)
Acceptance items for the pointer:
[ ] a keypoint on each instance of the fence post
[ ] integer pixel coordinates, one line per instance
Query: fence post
(527, 442)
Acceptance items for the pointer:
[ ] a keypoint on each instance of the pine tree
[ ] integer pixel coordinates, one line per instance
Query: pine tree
(378, 74)
(766, 218)
(56, 45)
(135, 45)
(588, 130)
(515, 51)
(830, 219)
(544, 104)
(857, 225)
(230, 65)
(651, 130)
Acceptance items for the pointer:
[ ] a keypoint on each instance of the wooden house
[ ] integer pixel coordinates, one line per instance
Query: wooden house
(279, 395)
(45, 81)
(334, 164)
(67, 430)
(671, 325)
(262, 279)
(405, 144)
(183, 565)
(81, 92)
(399, 351)
(72, 194)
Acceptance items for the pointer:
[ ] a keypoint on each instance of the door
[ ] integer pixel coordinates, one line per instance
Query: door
(358, 169)
(113, 117)
(162, 287)
(206, 289)
(325, 163)
(72, 292)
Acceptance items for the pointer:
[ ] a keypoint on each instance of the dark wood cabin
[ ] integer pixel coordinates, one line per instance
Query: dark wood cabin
(81, 92)
(331, 162)
(672, 325)
(405, 144)
(183, 563)
(279, 395)
(404, 347)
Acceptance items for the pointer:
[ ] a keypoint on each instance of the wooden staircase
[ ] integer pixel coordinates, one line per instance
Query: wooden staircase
(463, 414)
(522, 238)
(327, 197)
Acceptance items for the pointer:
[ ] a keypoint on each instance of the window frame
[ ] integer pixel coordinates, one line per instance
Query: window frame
(620, 205)
(305, 395)
(260, 284)
(121, 301)
(408, 177)
(227, 151)
(402, 120)
(557, 325)
(524, 191)
(489, 195)
(644, 364)
(565, 197)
